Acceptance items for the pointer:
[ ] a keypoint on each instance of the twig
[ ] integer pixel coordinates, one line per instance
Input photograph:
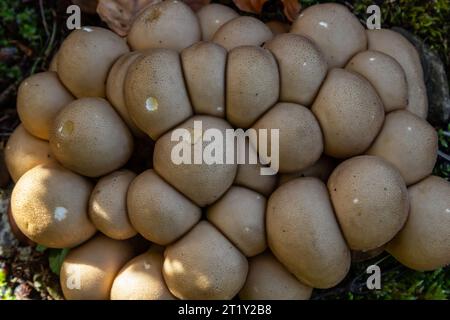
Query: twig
(443, 155)
(44, 22)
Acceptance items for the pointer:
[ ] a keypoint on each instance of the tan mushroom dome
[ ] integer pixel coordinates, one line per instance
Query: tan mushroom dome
(212, 17)
(336, 31)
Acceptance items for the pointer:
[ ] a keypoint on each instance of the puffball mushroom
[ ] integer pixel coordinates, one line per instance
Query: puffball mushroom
(155, 94)
(142, 279)
(159, 213)
(322, 170)
(24, 152)
(395, 45)
(203, 183)
(424, 242)
(385, 74)
(278, 27)
(90, 138)
(88, 51)
(242, 31)
(168, 24)
(303, 233)
(334, 29)
(108, 205)
(370, 200)
(268, 279)
(204, 265)
(252, 84)
(300, 138)
(240, 216)
(212, 17)
(49, 205)
(115, 89)
(39, 99)
(409, 143)
(88, 271)
(350, 113)
(302, 67)
(204, 66)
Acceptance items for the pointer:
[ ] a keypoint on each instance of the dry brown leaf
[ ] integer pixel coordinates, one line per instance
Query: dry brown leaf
(291, 9)
(119, 14)
(252, 6)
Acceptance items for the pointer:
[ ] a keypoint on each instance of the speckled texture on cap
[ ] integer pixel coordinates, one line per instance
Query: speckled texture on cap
(212, 17)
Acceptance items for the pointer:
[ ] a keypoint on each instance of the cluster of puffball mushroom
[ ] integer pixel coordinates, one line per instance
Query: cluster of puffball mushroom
(355, 156)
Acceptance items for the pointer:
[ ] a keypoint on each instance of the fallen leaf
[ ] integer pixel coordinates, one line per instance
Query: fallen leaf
(88, 6)
(119, 14)
(252, 6)
(291, 9)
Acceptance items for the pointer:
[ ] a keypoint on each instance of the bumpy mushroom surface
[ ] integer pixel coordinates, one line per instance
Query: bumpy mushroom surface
(90, 138)
(370, 200)
(24, 152)
(350, 113)
(300, 137)
(395, 45)
(158, 212)
(409, 143)
(142, 279)
(303, 233)
(155, 94)
(169, 24)
(424, 242)
(252, 84)
(302, 67)
(242, 31)
(240, 216)
(268, 279)
(212, 17)
(204, 65)
(204, 265)
(39, 99)
(49, 205)
(88, 271)
(108, 205)
(202, 182)
(385, 74)
(336, 31)
(88, 51)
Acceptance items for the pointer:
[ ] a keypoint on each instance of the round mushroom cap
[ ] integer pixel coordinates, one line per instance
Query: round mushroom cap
(108, 205)
(142, 279)
(240, 216)
(395, 45)
(424, 242)
(168, 24)
(155, 94)
(253, 84)
(268, 279)
(303, 233)
(24, 152)
(39, 99)
(158, 212)
(335, 30)
(115, 89)
(300, 141)
(408, 142)
(322, 170)
(90, 138)
(85, 58)
(49, 205)
(204, 66)
(350, 113)
(370, 200)
(252, 174)
(302, 67)
(212, 17)
(204, 265)
(175, 160)
(385, 74)
(88, 271)
(242, 31)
